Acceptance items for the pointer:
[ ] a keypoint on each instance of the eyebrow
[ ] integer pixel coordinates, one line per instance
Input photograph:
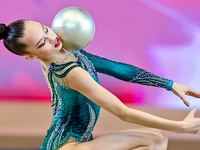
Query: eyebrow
(41, 38)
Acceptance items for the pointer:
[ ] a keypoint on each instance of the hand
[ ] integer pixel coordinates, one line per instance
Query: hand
(181, 90)
(191, 124)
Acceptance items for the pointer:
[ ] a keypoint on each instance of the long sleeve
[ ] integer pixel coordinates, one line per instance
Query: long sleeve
(127, 72)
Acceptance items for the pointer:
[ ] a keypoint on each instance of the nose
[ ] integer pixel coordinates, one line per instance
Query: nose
(50, 38)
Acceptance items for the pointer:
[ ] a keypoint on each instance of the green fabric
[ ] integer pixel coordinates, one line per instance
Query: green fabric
(126, 72)
(75, 115)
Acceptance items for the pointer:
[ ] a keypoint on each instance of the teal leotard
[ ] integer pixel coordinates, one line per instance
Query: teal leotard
(74, 115)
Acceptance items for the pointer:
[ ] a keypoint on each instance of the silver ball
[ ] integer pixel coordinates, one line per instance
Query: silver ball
(75, 28)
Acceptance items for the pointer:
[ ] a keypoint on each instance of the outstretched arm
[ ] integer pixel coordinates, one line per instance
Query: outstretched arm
(80, 80)
(127, 72)
(134, 74)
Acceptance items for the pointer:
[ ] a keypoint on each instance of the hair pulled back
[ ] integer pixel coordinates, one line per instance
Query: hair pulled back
(11, 35)
(3, 31)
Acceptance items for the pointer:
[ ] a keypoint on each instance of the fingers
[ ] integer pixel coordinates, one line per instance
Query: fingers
(192, 112)
(193, 92)
(182, 90)
(186, 102)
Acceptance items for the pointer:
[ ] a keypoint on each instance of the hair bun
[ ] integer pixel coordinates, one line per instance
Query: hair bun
(3, 31)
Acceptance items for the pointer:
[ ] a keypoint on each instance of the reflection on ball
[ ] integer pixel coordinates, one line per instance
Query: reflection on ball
(75, 27)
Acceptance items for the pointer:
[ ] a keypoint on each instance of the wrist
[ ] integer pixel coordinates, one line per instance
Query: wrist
(170, 85)
(179, 127)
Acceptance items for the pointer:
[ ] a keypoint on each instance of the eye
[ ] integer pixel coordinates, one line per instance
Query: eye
(46, 30)
(42, 43)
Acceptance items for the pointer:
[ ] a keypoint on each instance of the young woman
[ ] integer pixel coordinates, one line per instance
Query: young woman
(77, 96)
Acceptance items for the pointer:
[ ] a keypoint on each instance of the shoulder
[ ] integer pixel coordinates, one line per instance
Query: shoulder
(78, 78)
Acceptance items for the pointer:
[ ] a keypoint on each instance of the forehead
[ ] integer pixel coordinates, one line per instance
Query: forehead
(32, 33)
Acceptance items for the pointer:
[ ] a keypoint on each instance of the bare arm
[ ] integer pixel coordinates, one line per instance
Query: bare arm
(79, 80)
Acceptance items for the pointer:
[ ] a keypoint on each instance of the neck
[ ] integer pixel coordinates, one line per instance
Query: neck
(59, 56)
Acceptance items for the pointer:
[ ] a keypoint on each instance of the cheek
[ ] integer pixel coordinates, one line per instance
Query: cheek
(47, 49)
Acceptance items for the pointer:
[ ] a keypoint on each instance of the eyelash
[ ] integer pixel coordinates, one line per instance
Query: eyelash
(46, 31)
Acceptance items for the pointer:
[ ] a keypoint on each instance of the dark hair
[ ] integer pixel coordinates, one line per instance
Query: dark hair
(11, 35)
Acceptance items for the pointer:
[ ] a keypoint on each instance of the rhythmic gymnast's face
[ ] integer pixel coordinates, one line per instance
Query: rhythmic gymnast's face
(41, 40)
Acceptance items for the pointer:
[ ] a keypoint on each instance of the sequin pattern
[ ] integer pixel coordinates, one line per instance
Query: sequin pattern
(127, 72)
(74, 115)
(145, 78)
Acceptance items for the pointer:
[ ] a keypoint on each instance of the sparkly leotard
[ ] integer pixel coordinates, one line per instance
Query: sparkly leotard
(74, 115)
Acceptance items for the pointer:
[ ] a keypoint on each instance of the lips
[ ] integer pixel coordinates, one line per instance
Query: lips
(57, 42)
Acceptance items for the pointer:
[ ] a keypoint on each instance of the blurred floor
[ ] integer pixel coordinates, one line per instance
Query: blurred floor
(24, 125)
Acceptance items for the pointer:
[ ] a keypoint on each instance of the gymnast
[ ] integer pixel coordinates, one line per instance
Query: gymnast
(77, 95)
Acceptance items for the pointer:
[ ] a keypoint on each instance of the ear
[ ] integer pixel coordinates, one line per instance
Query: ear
(30, 57)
